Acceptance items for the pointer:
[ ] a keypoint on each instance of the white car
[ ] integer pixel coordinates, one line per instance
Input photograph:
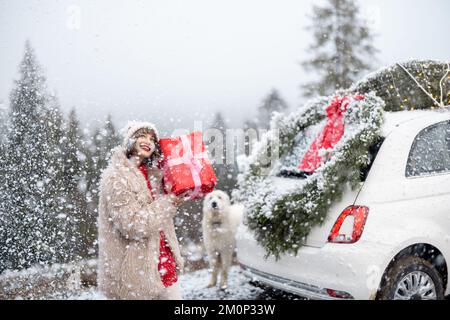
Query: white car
(388, 240)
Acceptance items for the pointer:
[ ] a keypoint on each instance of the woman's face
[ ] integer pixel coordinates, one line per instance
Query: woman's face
(145, 145)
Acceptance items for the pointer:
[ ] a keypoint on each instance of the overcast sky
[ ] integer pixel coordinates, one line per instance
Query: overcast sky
(175, 61)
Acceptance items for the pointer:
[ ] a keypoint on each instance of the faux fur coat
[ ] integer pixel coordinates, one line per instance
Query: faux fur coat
(128, 225)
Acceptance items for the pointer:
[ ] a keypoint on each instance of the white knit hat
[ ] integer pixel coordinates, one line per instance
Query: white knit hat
(132, 127)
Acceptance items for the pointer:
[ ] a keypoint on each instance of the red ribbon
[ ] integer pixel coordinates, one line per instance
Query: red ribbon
(330, 135)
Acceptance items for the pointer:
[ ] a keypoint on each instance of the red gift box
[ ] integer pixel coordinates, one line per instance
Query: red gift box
(187, 169)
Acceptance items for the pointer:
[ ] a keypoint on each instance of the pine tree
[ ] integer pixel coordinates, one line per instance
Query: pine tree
(107, 140)
(98, 152)
(58, 202)
(3, 220)
(270, 104)
(342, 48)
(91, 166)
(250, 124)
(30, 190)
(103, 141)
(273, 102)
(225, 172)
(3, 135)
(80, 233)
(3, 122)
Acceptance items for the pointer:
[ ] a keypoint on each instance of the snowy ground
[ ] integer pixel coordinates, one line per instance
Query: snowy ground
(194, 287)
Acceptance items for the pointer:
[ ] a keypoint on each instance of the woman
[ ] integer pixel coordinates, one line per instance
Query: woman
(139, 256)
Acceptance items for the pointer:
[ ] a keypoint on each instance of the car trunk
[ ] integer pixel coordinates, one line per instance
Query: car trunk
(319, 234)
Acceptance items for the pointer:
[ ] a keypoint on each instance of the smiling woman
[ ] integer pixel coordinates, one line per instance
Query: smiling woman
(144, 145)
(139, 256)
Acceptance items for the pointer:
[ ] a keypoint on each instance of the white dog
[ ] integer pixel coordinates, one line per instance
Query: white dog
(220, 222)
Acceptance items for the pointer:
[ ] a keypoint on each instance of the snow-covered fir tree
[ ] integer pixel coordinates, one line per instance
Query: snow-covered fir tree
(74, 172)
(32, 227)
(57, 192)
(3, 133)
(97, 149)
(273, 102)
(3, 121)
(105, 140)
(342, 48)
(225, 172)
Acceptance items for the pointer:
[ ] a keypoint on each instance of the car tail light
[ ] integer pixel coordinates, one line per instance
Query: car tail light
(339, 294)
(356, 213)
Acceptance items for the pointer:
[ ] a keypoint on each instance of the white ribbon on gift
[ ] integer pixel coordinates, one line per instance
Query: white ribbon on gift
(193, 162)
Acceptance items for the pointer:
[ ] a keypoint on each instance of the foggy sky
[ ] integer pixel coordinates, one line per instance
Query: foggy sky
(175, 61)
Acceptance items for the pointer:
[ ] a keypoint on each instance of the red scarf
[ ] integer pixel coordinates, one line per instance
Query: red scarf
(166, 264)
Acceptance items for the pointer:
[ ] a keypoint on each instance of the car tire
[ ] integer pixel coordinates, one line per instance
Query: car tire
(405, 266)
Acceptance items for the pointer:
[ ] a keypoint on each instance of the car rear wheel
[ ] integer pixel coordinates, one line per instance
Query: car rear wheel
(412, 278)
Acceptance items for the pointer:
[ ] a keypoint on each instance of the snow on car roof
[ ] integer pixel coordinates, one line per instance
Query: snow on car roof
(394, 119)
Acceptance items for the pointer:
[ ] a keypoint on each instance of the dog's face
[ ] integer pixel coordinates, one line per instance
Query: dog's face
(215, 206)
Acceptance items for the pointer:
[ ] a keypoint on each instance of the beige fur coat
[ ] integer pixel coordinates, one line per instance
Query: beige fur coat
(128, 224)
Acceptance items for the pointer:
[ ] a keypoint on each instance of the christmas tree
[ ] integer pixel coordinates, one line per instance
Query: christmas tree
(415, 84)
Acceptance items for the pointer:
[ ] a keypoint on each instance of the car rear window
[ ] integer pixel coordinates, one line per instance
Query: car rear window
(430, 151)
(288, 166)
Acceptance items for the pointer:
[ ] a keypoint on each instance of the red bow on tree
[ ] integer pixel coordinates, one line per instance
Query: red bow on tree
(330, 135)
